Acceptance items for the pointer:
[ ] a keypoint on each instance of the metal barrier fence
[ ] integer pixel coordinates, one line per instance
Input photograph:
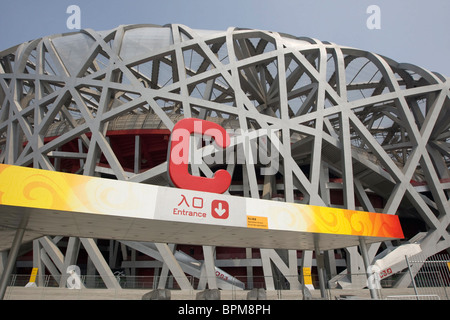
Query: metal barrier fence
(142, 282)
(414, 297)
(431, 281)
(282, 291)
(430, 276)
(95, 282)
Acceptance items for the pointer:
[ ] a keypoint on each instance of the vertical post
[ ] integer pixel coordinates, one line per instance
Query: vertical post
(12, 256)
(168, 258)
(365, 256)
(37, 263)
(137, 154)
(412, 277)
(249, 256)
(208, 254)
(321, 271)
(70, 258)
(100, 264)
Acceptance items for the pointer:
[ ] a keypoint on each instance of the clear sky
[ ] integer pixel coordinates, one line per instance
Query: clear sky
(413, 31)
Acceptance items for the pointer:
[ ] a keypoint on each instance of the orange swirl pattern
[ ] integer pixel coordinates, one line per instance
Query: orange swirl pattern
(51, 190)
(37, 189)
(306, 218)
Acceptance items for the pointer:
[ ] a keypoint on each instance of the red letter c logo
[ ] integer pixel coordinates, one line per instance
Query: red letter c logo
(178, 157)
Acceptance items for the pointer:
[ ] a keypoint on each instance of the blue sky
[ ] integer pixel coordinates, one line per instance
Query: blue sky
(413, 31)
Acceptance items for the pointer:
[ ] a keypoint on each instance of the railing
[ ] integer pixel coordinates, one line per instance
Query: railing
(141, 282)
(431, 280)
(414, 297)
(93, 282)
(430, 276)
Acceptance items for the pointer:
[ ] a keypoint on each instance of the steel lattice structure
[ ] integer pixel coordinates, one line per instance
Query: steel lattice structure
(346, 119)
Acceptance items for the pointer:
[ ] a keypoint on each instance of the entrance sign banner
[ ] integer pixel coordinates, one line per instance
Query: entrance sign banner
(200, 207)
(75, 205)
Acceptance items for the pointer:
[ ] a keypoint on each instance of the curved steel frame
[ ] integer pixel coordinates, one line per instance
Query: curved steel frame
(380, 126)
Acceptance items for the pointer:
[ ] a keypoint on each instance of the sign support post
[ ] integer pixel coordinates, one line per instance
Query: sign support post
(365, 256)
(321, 272)
(12, 256)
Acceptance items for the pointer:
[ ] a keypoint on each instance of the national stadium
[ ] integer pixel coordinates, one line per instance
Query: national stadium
(311, 124)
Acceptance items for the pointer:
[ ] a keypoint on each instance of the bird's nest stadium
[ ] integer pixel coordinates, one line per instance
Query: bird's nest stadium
(351, 129)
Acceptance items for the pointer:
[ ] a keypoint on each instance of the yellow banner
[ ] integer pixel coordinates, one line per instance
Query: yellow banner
(257, 222)
(318, 219)
(43, 189)
(307, 276)
(33, 275)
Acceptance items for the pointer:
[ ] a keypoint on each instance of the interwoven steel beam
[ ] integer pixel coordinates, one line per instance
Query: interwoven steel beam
(380, 126)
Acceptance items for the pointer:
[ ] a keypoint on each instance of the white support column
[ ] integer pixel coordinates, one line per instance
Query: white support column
(208, 254)
(112, 253)
(365, 256)
(248, 256)
(73, 247)
(51, 267)
(354, 267)
(267, 269)
(346, 162)
(288, 271)
(321, 271)
(100, 263)
(12, 256)
(50, 256)
(37, 263)
(330, 263)
(173, 265)
(53, 252)
(164, 253)
(293, 270)
(165, 270)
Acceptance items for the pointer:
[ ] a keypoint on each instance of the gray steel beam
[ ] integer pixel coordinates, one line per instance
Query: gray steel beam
(12, 256)
(390, 119)
(367, 264)
(101, 265)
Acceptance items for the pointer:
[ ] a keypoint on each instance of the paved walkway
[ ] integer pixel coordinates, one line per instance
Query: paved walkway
(21, 293)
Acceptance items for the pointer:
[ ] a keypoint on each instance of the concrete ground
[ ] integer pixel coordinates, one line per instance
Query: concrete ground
(22, 293)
